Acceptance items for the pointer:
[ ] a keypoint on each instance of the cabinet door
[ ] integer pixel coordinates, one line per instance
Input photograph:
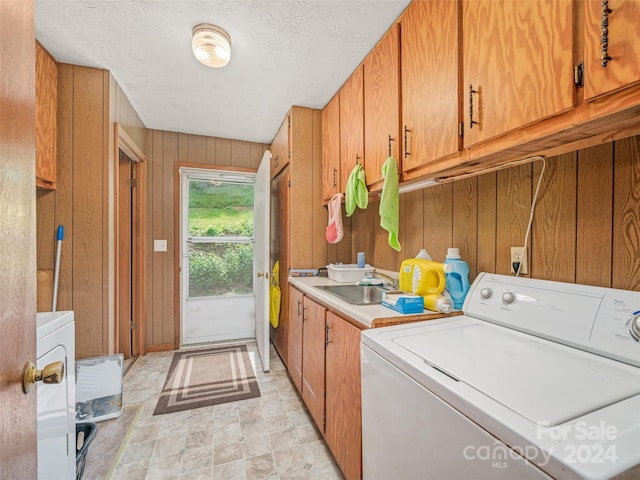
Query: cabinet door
(279, 249)
(313, 336)
(331, 149)
(381, 104)
(294, 356)
(45, 113)
(344, 416)
(518, 64)
(430, 107)
(351, 125)
(280, 147)
(621, 44)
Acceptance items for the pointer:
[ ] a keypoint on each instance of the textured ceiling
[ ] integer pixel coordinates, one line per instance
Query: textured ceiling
(283, 53)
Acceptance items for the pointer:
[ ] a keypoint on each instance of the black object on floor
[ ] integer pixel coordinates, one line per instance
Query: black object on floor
(85, 433)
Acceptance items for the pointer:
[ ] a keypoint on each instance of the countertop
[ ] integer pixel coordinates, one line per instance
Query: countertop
(363, 316)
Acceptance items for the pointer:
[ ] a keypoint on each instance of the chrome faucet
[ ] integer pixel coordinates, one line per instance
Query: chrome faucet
(393, 281)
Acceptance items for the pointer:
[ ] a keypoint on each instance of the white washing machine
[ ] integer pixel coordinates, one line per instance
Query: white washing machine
(56, 402)
(536, 380)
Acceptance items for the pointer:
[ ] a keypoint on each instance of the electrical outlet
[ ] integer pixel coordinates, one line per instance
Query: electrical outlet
(519, 254)
(159, 245)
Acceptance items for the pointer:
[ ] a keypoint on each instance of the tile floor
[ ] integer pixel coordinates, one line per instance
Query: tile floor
(270, 437)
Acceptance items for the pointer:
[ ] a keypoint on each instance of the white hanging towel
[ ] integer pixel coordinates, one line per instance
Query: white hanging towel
(334, 232)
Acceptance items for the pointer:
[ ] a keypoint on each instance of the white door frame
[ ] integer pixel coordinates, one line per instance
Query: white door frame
(211, 323)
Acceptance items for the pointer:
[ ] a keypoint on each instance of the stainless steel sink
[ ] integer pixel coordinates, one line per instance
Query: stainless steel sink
(355, 294)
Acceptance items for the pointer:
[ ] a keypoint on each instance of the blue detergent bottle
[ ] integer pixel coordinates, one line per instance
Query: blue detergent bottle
(457, 278)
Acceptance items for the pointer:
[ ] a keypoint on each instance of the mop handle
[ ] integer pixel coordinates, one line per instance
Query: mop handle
(56, 273)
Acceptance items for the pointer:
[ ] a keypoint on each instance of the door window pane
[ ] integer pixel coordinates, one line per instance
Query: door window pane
(220, 269)
(220, 209)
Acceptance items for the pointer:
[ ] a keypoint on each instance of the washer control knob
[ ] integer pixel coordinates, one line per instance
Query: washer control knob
(634, 328)
(508, 298)
(486, 293)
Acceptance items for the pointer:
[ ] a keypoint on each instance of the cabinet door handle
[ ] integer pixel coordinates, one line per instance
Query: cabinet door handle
(357, 159)
(275, 161)
(390, 140)
(326, 335)
(406, 134)
(471, 92)
(298, 307)
(335, 172)
(304, 314)
(604, 34)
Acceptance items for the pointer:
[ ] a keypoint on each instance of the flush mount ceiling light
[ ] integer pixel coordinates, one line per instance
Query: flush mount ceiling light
(211, 45)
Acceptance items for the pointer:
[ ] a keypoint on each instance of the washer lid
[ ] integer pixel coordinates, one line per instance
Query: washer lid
(47, 322)
(545, 382)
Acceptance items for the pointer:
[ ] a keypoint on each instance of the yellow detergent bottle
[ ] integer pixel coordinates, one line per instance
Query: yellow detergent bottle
(422, 276)
(438, 303)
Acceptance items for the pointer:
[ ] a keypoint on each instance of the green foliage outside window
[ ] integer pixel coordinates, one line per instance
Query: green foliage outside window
(220, 210)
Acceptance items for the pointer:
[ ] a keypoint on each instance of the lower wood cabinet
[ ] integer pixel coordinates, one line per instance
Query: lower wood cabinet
(294, 363)
(343, 431)
(313, 343)
(324, 364)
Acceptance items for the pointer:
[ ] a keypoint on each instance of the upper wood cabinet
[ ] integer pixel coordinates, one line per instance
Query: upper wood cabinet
(611, 58)
(46, 118)
(351, 125)
(382, 105)
(430, 72)
(517, 64)
(280, 147)
(331, 183)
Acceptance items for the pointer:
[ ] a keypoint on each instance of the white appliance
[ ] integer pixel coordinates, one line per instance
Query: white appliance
(537, 379)
(56, 419)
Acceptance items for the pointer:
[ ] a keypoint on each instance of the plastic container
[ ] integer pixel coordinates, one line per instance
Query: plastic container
(423, 254)
(86, 430)
(348, 273)
(422, 277)
(457, 278)
(438, 303)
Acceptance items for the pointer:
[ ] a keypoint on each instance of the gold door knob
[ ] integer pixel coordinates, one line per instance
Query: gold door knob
(263, 274)
(52, 373)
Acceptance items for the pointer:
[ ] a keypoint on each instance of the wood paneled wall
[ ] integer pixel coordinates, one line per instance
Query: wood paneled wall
(165, 149)
(89, 101)
(586, 226)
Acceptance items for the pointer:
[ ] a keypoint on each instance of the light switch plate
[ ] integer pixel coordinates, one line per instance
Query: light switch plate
(159, 245)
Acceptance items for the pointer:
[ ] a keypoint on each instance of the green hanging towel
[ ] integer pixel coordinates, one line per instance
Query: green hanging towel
(390, 202)
(356, 193)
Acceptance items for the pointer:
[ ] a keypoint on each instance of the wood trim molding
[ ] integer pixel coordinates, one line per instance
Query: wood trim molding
(125, 143)
(163, 347)
(128, 145)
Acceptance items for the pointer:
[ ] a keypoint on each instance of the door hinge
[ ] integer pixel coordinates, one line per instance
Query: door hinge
(461, 129)
(133, 182)
(324, 424)
(578, 75)
(289, 183)
(133, 325)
